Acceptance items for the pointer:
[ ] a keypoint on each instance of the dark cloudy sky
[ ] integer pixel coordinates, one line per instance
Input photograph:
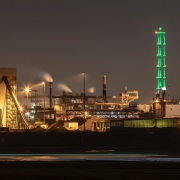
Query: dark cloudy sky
(100, 37)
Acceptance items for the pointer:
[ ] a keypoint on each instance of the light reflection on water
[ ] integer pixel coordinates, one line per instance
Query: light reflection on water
(88, 157)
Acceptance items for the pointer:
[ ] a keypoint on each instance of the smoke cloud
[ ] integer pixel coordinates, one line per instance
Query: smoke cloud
(48, 77)
(64, 87)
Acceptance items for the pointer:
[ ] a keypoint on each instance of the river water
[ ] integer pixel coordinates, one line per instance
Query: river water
(89, 157)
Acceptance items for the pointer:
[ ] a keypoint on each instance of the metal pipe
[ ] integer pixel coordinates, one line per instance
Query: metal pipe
(44, 100)
(50, 97)
(84, 101)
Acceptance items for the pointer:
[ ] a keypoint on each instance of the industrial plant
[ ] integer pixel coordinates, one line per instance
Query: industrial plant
(89, 113)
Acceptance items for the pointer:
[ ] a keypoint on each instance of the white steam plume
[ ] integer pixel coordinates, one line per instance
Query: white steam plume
(64, 87)
(48, 77)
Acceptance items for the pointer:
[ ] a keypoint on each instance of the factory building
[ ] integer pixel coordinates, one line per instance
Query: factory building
(96, 112)
(172, 110)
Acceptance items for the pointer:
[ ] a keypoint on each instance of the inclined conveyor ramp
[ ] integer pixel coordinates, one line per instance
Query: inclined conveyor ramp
(5, 79)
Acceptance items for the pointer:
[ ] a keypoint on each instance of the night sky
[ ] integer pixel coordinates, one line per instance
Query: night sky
(100, 37)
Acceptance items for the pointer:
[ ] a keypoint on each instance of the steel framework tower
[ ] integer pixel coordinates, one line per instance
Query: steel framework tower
(161, 60)
(9, 115)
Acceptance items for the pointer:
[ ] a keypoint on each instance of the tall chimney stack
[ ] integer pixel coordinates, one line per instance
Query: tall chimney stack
(50, 97)
(104, 88)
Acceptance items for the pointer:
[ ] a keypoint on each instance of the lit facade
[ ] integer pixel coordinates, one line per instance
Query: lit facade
(161, 60)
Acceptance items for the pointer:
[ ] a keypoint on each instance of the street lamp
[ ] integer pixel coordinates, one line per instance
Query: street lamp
(84, 99)
(27, 91)
(43, 83)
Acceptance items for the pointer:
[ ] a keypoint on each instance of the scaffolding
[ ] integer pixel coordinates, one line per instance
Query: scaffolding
(11, 111)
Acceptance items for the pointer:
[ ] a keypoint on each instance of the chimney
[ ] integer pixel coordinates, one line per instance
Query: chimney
(104, 88)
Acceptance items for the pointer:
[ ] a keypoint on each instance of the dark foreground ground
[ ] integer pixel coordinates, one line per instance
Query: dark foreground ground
(89, 170)
(164, 141)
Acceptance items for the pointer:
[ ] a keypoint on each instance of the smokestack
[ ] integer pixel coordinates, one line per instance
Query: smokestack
(104, 88)
(50, 97)
(64, 94)
(164, 94)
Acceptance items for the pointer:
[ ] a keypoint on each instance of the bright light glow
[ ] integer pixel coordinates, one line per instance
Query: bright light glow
(163, 88)
(27, 113)
(91, 90)
(27, 89)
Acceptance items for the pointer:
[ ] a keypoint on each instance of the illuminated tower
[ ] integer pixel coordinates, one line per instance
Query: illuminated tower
(161, 60)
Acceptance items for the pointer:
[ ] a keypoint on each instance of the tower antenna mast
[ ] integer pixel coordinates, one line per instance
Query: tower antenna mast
(161, 60)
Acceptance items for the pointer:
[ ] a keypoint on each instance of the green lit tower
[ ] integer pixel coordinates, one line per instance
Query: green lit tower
(161, 60)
